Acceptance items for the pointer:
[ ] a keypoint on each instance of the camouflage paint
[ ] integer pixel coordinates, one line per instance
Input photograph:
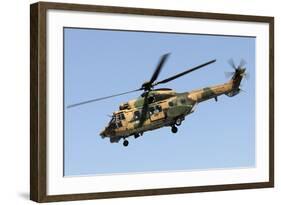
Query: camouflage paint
(173, 105)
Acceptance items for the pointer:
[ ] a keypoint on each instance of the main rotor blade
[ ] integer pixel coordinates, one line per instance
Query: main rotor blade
(183, 73)
(159, 67)
(102, 98)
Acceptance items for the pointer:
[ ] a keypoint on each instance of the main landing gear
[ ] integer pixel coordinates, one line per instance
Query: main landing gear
(125, 143)
(178, 122)
(174, 129)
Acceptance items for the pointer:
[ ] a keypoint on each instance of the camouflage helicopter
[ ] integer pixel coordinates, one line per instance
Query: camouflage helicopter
(156, 108)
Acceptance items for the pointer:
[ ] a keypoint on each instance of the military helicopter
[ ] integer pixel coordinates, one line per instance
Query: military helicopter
(156, 108)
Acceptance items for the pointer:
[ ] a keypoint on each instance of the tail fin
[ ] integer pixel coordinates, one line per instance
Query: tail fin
(236, 81)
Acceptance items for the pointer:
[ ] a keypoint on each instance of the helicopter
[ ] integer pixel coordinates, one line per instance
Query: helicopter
(161, 107)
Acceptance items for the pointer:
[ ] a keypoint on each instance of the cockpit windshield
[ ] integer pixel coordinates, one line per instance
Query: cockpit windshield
(113, 119)
(116, 121)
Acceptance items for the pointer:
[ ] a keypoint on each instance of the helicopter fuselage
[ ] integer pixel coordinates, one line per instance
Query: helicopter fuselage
(165, 107)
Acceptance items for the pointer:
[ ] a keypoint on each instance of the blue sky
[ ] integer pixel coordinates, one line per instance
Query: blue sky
(103, 62)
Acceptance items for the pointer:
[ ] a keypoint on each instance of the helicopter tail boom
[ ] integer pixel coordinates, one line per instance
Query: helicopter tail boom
(210, 92)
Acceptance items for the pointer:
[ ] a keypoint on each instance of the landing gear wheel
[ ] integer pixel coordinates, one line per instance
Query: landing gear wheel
(174, 129)
(125, 143)
(178, 121)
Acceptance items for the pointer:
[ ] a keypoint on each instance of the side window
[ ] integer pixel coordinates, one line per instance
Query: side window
(151, 110)
(158, 108)
(171, 104)
(136, 115)
(183, 101)
(155, 109)
(151, 99)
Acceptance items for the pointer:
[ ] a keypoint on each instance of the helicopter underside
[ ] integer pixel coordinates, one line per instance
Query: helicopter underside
(138, 131)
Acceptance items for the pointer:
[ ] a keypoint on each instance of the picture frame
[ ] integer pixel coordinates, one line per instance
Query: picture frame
(43, 146)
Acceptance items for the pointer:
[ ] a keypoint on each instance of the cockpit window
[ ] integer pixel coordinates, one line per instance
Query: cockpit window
(119, 124)
(120, 117)
(113, 119)
(112, 125)
(115, 122)
(117, 117)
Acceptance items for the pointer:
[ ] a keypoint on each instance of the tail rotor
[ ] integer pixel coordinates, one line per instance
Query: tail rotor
(239, 70)
(236, 76)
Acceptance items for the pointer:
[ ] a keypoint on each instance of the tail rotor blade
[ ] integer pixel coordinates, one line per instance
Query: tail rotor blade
(242, 63)
(232, 64)
(228, 74)
(247, 76)
(242, 91)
